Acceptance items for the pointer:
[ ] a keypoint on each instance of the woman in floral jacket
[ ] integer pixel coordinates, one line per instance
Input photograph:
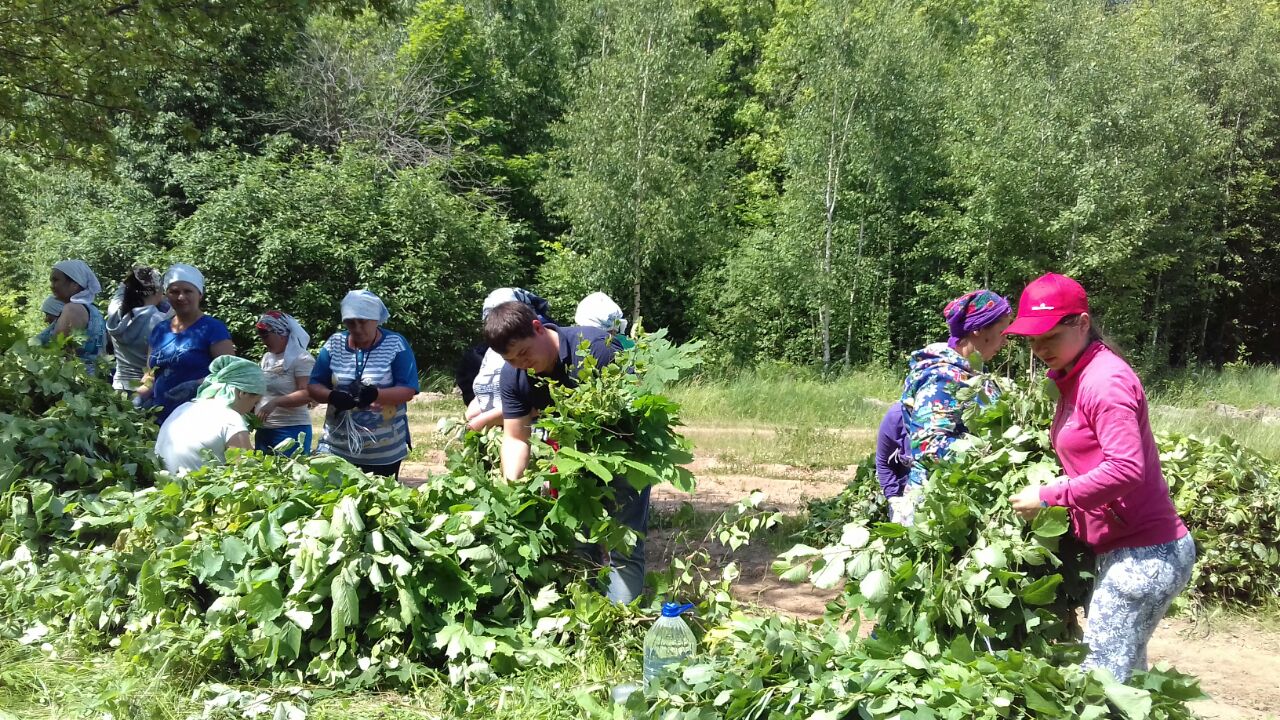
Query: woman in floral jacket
(931, 412)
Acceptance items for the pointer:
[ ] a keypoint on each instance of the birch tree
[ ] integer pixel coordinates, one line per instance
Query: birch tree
(636, 172)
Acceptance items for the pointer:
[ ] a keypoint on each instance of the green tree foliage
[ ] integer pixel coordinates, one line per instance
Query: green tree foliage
(851, 93)
(71, 213)
(635, 172)
(70, 66)
(800, 181)
(295, 231)
(1081, 151)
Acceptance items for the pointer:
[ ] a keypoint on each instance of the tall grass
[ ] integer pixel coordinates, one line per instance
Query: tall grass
(810, 421)
(1246, 388)
(790, 398)
(1258, 434)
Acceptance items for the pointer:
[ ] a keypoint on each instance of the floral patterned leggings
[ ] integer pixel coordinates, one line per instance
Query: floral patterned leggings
(1133, 589)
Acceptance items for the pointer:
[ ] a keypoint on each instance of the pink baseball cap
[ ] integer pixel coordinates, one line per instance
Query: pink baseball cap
(1045, 301)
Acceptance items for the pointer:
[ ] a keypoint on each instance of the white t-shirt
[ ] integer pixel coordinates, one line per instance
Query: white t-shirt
(194, 427)
(280, 382)
(488, 381)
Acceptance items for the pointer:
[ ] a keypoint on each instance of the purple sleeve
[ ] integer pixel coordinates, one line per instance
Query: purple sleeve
(889, 442)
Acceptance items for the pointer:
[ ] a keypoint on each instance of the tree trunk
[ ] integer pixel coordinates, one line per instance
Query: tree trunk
(829, 202)
(837, 137)
(637, 255)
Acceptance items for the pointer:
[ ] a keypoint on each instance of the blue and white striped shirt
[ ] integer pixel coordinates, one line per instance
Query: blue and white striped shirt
(381, 438)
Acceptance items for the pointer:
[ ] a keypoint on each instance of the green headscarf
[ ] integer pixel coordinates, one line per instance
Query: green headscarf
(228, 373)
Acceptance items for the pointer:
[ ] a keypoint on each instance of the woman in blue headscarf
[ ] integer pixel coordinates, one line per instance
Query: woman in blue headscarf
(366, 374)
(73, 283)
(931, 412)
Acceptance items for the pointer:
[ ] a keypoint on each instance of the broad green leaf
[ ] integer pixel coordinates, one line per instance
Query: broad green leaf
(234, 550)
(791, 573)
(545, 598)
(1135, 704)
(479, 553)
(998, 597)
(206, 562)
(1042, 591)
(264, 603)
(150, 591)
(962, 650)
(1041, 474)
(1051, 522)
(915, 660)
(346, 606)
(301, 618)
(855, 535)
(831, 572)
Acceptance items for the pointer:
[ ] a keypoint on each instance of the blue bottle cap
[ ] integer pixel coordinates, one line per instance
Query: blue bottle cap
(674, 609)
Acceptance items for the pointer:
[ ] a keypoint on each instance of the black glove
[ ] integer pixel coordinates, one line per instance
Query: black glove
(341, 400)
(367, 395)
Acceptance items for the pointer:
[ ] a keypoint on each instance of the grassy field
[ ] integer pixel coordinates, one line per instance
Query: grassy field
(36, 686)
(808, 422)
(796, 418)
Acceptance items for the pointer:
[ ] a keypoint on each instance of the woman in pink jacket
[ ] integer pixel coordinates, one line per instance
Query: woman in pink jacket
(1117, 496)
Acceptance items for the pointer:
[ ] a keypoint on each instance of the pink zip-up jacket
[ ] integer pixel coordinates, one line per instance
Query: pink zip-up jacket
(1116, 493)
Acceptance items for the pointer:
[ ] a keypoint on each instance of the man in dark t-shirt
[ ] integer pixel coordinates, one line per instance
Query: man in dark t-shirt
(536, 353)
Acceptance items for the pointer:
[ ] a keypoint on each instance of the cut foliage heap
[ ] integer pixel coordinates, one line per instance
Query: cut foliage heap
(297, 570)
(1228, 496)
(969, 567)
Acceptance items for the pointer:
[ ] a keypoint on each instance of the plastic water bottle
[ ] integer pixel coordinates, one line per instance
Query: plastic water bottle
(669, 641)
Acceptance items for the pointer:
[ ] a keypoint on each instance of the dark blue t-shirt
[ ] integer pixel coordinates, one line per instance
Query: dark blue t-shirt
(181, 360)
(522, 394)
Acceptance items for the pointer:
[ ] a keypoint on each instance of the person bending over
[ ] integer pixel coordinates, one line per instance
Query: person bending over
(535, 353)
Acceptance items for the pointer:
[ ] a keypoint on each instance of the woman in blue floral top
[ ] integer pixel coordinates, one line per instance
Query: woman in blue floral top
(931, 413)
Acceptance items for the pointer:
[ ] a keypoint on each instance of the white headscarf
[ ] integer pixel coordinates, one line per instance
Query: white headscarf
(181, 272)
(496, 298)
(52, 306)
(364, 305)
(81, 275)
(600, 311)
(288, 326)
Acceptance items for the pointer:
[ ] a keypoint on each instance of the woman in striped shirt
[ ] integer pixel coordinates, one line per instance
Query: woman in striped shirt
(366, 374)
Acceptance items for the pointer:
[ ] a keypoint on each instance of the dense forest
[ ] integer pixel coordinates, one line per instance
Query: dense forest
(798, 181)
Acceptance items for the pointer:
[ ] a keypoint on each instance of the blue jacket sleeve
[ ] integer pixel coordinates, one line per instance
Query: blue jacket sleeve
(404, 369)
(321, 373)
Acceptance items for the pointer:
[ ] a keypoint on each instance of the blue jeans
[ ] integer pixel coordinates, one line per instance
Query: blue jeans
(266, 439)
(626, 571)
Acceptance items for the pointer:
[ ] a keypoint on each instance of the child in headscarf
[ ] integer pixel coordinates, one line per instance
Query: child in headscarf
(931, 412)
(200, 431)
(287, 365)
(73, 283)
